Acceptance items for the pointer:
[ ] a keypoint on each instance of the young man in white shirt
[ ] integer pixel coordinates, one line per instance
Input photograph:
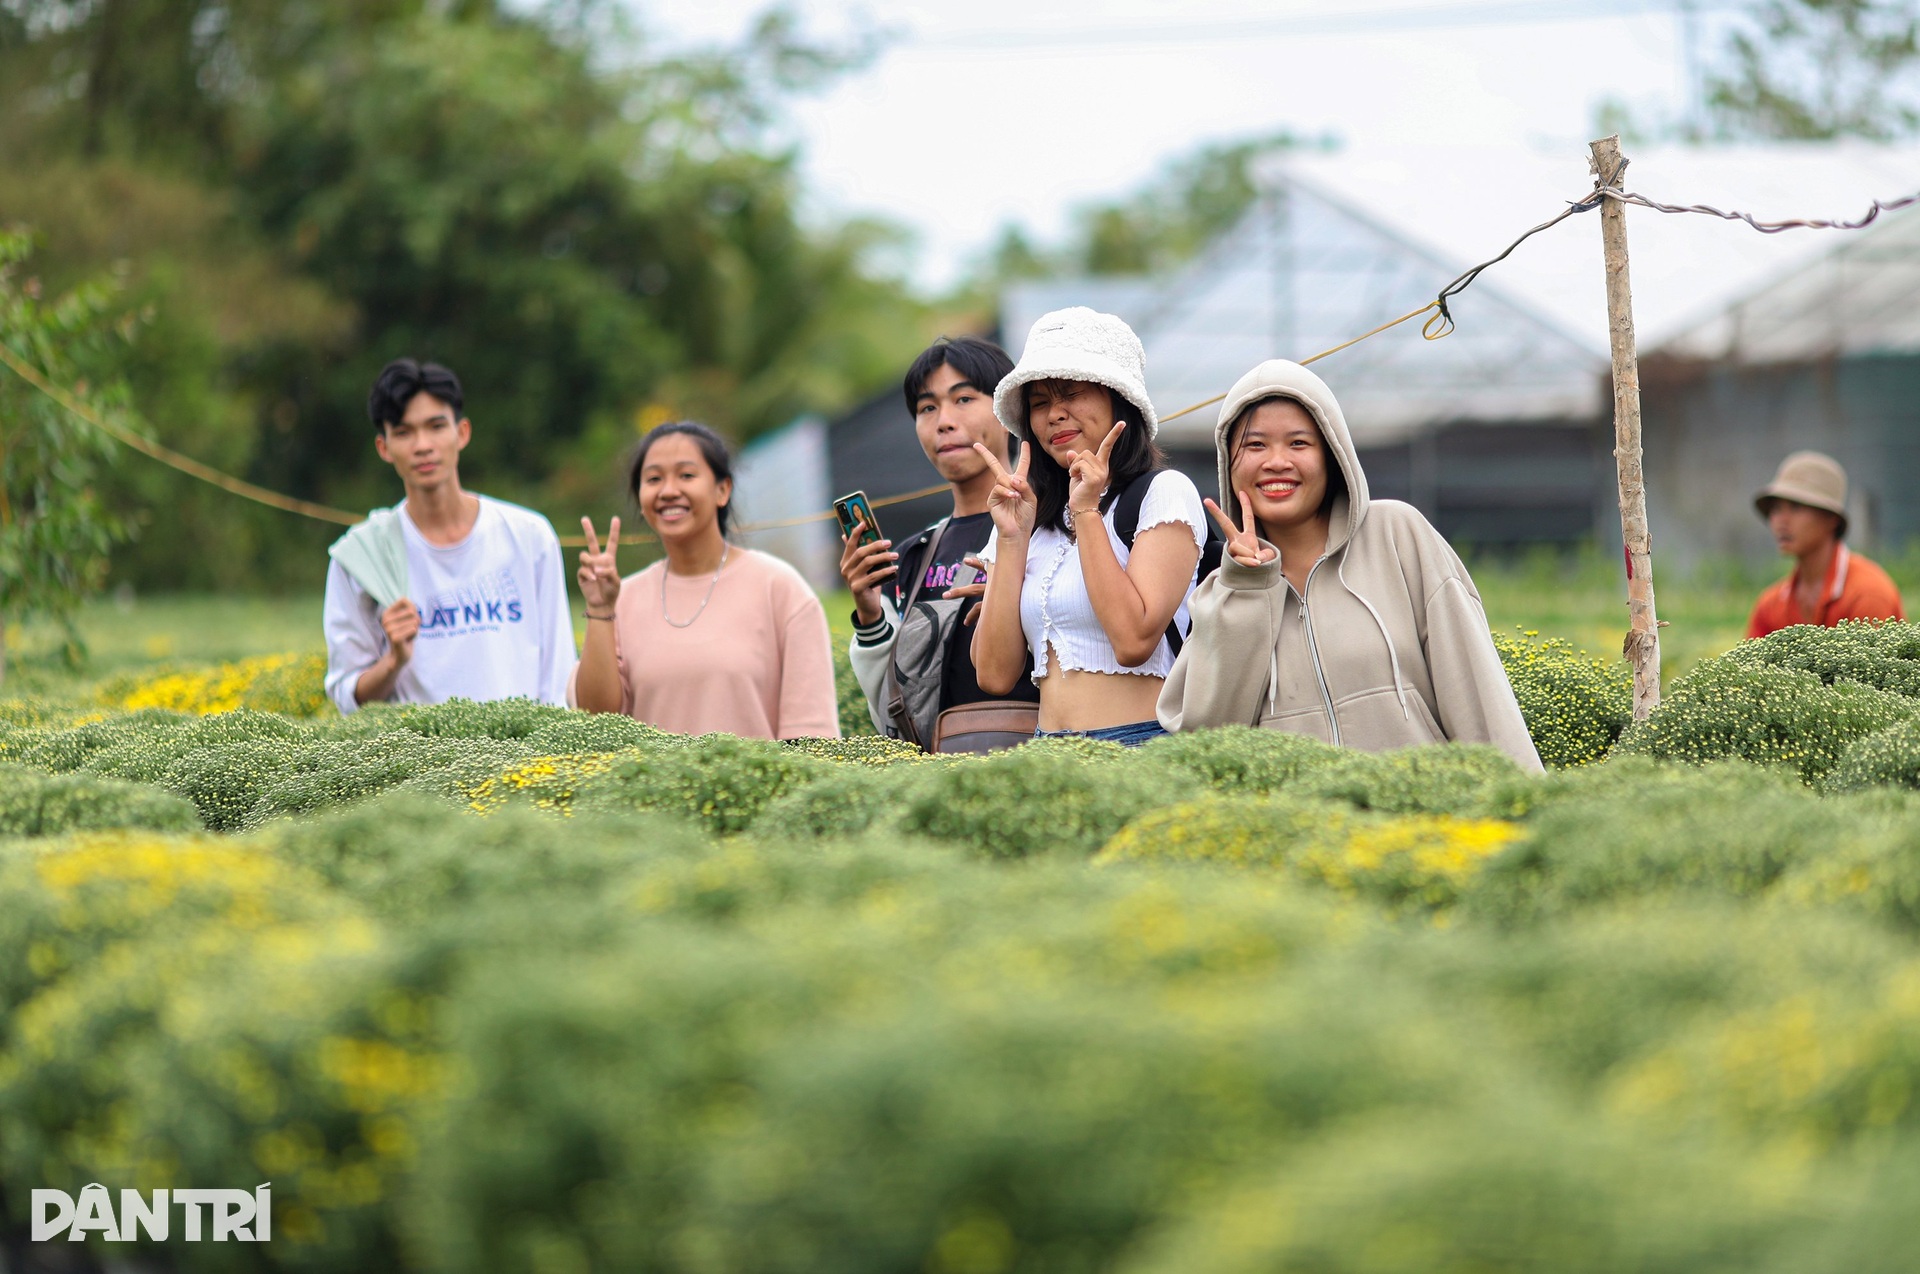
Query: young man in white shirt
(449, 594)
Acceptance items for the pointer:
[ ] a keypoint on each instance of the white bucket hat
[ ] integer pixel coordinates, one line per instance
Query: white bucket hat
(1077, 344)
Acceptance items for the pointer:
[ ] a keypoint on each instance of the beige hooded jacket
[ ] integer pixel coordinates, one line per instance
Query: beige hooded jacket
(1387, 648)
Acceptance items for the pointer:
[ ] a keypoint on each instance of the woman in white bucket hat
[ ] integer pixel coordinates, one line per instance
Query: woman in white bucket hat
(1096, 543)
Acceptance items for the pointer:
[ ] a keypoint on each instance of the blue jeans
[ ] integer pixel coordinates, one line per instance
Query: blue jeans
(1131, 736)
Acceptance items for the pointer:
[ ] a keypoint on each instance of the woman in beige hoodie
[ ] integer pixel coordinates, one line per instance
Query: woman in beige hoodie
(1332, 615)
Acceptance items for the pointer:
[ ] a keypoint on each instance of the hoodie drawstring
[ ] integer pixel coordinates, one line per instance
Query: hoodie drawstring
(1273, 655)
(1340, 573)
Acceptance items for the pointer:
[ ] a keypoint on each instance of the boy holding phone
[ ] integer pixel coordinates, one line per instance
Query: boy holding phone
(949, 391)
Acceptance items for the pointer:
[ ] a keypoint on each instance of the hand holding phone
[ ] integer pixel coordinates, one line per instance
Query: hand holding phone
(866, 560)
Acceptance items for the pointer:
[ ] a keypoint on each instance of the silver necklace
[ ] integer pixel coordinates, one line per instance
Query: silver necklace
(703, 601)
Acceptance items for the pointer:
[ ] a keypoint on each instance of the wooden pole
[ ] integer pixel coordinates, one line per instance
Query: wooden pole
(1642, 646)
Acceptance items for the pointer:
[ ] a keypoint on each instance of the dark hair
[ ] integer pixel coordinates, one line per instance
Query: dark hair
(1236, 438)
(1133, 455)
(981, 364)
(403, 378)
(713, 449)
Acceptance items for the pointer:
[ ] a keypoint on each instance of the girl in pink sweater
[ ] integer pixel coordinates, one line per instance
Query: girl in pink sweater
(713, 638)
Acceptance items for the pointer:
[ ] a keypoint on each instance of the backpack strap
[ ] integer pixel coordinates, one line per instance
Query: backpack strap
(1126, 523)
(896, 702)
(1126, 507)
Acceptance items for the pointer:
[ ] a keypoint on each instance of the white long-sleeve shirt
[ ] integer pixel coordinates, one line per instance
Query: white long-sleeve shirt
(494, 620)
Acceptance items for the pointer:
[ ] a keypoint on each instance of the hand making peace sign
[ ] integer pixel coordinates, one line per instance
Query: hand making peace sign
(1012, 502)
(1087, 473)
(598, 575)
(1243, 547)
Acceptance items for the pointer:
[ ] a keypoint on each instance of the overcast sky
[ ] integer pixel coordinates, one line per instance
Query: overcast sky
(984, 112)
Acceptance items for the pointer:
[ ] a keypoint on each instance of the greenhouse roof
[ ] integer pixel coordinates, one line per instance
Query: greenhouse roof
(1855, 299)
(1686, 269)
(1342, 242)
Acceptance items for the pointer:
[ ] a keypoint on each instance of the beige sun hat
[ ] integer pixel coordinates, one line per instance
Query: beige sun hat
(1077, 343)
(1810, 478)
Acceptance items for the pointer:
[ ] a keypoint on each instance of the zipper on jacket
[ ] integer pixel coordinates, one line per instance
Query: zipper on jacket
(1313, 649)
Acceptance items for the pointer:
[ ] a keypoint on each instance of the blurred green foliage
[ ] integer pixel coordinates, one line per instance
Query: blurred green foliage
(55, 529)
(36, 803)
(298, 193)
(510, 986)
(1816, 70)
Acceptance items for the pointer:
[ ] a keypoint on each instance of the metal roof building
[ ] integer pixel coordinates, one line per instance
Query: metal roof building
(1752, 344)
(1858, 299)
(1307, 269)
(1492, 430)
(1825, 356)
(1500, 432)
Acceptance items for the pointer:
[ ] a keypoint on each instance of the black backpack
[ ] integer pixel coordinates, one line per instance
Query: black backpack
(1126, 522)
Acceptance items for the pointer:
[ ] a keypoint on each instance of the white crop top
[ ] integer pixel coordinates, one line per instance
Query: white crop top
(1054, 606)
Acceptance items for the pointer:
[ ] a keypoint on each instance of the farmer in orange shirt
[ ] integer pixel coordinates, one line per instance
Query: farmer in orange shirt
(1806, 509)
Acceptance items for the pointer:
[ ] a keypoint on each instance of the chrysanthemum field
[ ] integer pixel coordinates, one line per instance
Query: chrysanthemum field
(503, 987)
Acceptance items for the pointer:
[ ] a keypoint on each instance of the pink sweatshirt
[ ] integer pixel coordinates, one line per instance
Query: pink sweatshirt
(758, 662)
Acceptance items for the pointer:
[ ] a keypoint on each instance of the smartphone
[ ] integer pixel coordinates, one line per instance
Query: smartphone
(856, 517)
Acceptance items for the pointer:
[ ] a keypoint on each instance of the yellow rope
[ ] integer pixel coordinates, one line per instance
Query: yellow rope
(1426, 331)
(169, 457)
(323, 513)
(580, 541)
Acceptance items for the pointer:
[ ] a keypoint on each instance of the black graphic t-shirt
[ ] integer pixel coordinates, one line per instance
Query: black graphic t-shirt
(941, 566)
